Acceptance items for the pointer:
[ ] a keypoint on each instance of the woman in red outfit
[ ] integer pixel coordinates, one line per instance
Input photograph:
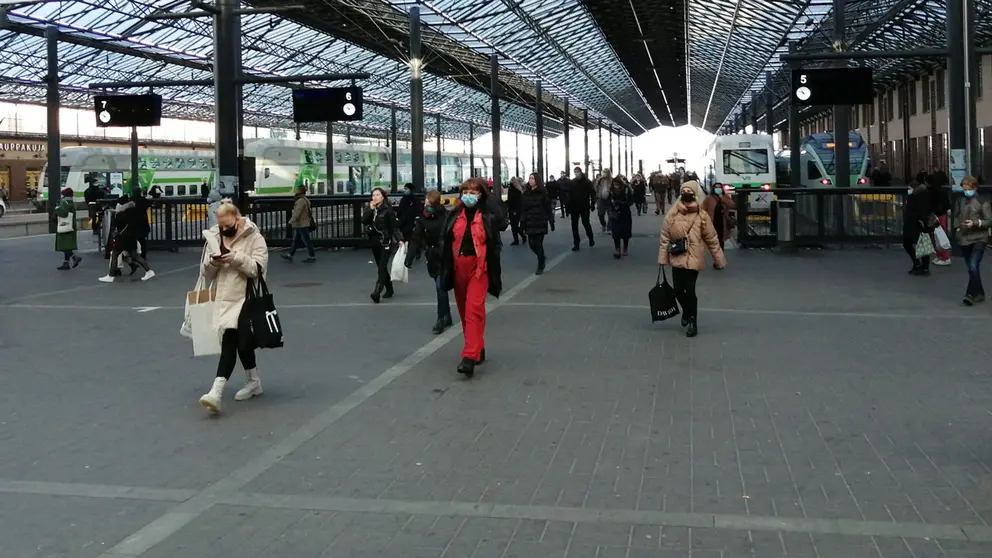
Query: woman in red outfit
(471, 264)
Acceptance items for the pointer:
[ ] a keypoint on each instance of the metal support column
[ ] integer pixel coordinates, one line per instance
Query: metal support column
(754, 116)
(516, 152)
(227, 30)
(769, 105)
(53, 130)
(609, 136)
(626, 155)
(437, 137)
(976, 162)
(842, 113)
(533, 154)
(133, 182)
(471, 149)
(585, 141)
(794, 161)
(329, 157)
(416, 102)
(494, 93)
(539, 113)
(907, 152)
(568, 154)
(394, 155)
(600, 128)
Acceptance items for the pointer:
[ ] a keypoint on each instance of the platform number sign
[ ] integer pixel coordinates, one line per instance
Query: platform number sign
(832, 86)
(333, 104)
(125, 111)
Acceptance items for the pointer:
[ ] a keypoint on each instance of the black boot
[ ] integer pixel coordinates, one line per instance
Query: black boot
(467, 367)
(389, 290)
(438, 327)
(575, 248)
(685, 320)
(692, 330)
(482, 357)
(377, 293)
(540, 266)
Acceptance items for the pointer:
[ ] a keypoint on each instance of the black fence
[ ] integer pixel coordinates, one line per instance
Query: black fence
(176, 223)
(868, 216)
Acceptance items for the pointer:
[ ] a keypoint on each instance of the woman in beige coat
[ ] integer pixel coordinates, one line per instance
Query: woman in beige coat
(235, 253)
(687, 257)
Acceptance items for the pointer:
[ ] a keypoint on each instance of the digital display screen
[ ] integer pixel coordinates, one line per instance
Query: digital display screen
(832, 86)
(333, 104)
(126, 111)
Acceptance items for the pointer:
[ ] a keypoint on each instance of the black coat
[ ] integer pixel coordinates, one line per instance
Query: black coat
(640, 192)
(493, 223)
(621, 199)
(381, 224)
(536, 212)
(141, 207)
(127, 226)
(407, 212)
(513, 199)
(918, 216)
(582, 198)
(426, 240)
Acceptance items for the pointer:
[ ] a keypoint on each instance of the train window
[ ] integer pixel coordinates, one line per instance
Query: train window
(267, 172)
(170, 191)
(181, 190)
(321, 188)
(813, 171)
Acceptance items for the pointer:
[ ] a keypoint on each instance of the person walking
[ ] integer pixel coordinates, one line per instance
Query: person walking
(620, 200)
(142, 225)
(302, 222)
(974, 218)
(128, 229)
(513, 199)
(659, 187)
(581, 203)
(719, 205)
(686, 234)
(213, 203)
(603, 186)
(383, 229)
(426, 239)
(66, 241)
(235, 253)
(536, 214)
(940, 204)
(408, 211)
(471, 266)
(640, 188)
(918, 218)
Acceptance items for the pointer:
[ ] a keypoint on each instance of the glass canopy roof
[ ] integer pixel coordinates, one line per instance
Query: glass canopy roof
(110, 41)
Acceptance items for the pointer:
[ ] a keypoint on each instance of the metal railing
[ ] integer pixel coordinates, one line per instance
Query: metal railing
(176, 222)
(826, 217)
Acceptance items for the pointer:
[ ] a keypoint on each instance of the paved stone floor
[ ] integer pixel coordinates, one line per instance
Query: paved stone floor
(831, 407)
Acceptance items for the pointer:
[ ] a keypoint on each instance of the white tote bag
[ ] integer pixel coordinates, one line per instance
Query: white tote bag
(941, 239)
(201, 311)
(398, 271)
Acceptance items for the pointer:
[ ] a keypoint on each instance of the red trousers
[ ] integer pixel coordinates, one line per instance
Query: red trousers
(470, 296)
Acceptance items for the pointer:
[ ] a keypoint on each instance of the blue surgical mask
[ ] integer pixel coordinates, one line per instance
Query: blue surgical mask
(470, 199)
(970, 193)
(718, 190)
(909, 191)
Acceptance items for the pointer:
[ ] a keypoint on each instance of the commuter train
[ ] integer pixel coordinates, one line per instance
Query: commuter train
(744, 161)
(817, 167)
(279, 166)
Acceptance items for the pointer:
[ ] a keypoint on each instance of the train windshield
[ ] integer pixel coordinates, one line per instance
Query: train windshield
(745, 161)
(857, 159)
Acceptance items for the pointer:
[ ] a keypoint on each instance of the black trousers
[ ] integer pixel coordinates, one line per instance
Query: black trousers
(518, 234)
(137, 258)
(235, 345)
(584, 216)
(536, 243)
(381, 255)
(684, 283)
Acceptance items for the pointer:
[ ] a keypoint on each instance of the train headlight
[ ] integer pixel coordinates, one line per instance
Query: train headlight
(766, 186)
(825, 182)
(862, 180)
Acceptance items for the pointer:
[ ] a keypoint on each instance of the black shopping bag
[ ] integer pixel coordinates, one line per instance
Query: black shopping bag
(262, 317)
(664, 304)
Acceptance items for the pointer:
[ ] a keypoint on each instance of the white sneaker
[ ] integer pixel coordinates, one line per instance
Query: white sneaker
(252, 387)
(212, 399)
(942, 263)
(106, 279)
(148, 275)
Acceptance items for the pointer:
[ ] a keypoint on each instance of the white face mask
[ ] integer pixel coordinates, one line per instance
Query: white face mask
(909, 191)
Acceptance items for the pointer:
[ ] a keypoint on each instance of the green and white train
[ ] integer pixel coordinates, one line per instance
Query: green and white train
(279, 165)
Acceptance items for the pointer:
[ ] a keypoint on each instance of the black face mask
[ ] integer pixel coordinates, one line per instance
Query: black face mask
(229, 232)
(688, 198)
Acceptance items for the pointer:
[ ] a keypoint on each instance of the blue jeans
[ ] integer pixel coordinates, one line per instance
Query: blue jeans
(973, 254)
(443, 306)
(302, 234)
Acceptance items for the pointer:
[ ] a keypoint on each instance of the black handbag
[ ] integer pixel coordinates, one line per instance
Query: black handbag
(664, 303)
(261, 314)
(679, 246)
(313, 223)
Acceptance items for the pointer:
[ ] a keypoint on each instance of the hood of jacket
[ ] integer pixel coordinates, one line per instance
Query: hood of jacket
(121, 207)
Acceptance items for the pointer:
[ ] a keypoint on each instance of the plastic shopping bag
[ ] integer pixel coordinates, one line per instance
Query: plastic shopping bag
(397, 270)
(940, 236)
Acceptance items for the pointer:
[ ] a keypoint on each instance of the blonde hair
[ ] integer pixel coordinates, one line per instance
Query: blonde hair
(227, 207)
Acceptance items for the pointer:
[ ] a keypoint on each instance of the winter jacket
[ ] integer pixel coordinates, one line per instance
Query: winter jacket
(513, 198)
(640, 191)
(407, 213)
(231, 280)
(66, 241)
(536, 212)
(127, 225)
(710, 205)
(300, 219)
(426, 239)
(621, 199)
(381, 225)
(979, 212)
(582, 196)
(918, 217)
(688, 221)
(603, 186)
(492, 223)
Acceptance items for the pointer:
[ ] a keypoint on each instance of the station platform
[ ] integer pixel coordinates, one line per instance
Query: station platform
(832, 406)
